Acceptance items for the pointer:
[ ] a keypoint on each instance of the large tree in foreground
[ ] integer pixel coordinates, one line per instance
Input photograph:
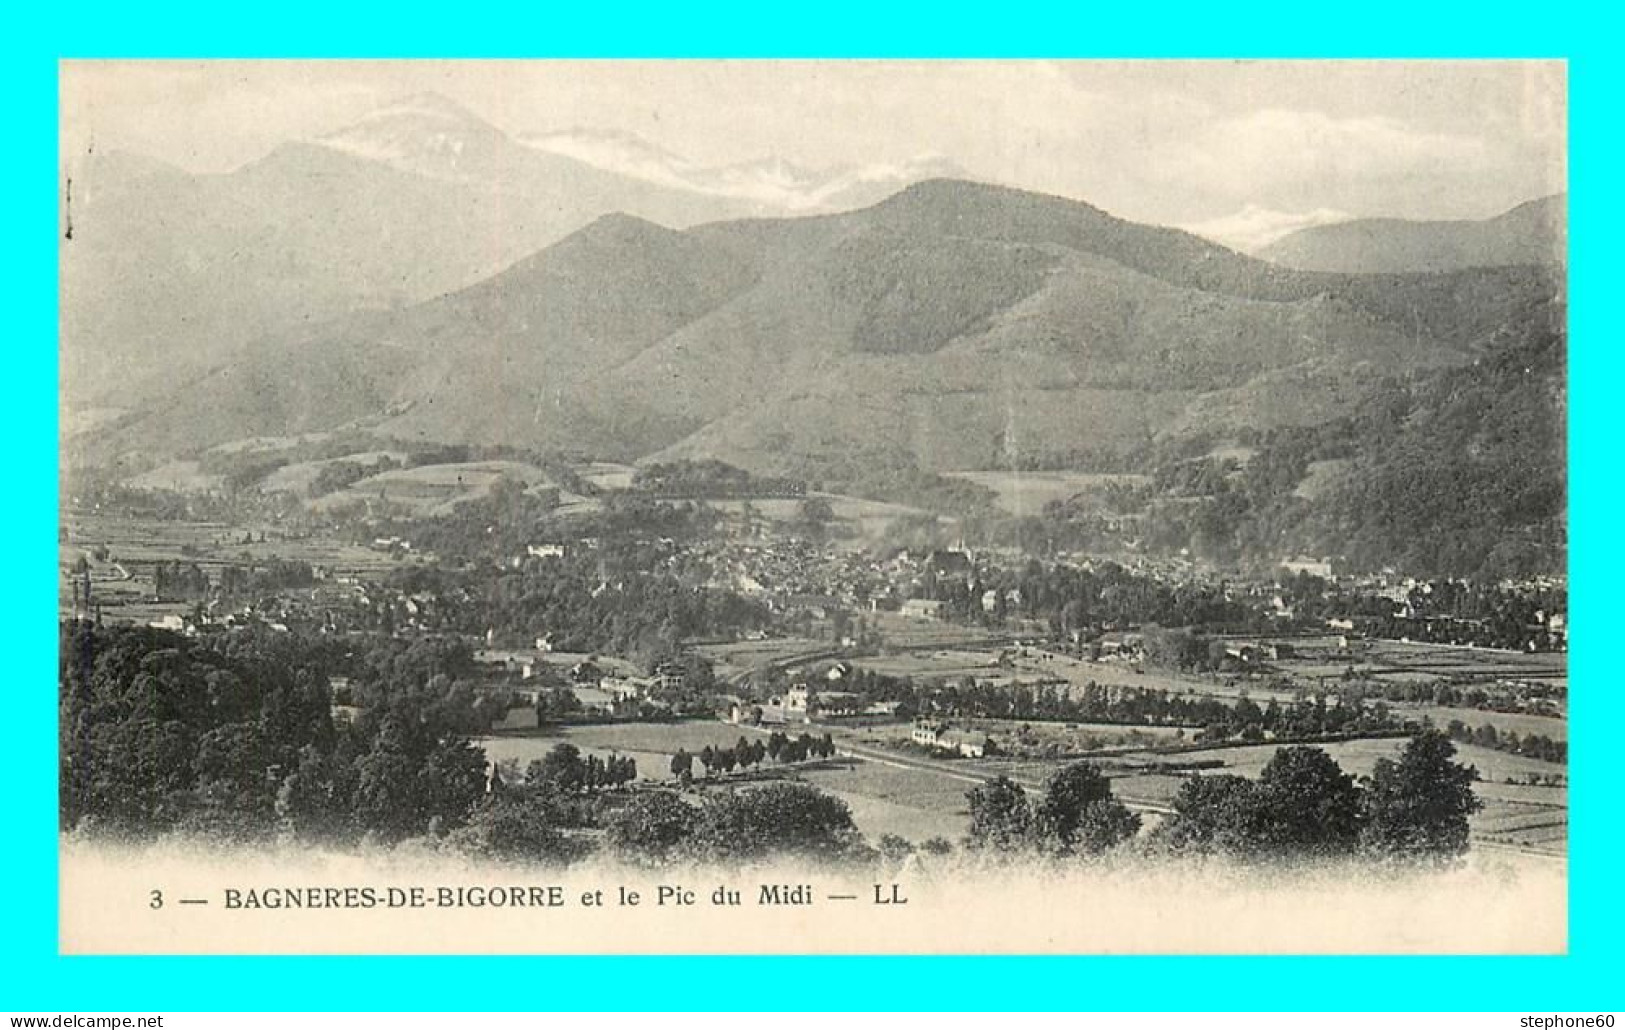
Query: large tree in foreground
(1307, 804)
(1078, 813)
(781, 819)
(1417, 808)
(1000, 817)
(650, 827)
(1303, 804)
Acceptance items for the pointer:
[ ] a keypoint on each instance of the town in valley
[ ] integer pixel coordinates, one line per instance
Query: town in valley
(432, 481)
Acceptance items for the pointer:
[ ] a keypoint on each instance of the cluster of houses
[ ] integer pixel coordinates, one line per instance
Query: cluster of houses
(802, 703)
(537, 551)
(600, 690)
(796, 576)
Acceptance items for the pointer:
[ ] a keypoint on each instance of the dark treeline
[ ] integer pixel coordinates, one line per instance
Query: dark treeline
(711, 478)
(233, 738)
(565, 769)
(338, 474)
(1343, 708)
(584, 603)
(1303, 805)
(1071, 599)
(1455, 473)
(1077, 814)
(234, 735)
(1530, 745)
(1328, 714)
(1089, 601)
(188, 581)
(748, 754)
(506, 519)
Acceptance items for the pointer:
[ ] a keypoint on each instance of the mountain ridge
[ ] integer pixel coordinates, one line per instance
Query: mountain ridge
(951, 324)
(1534, 232)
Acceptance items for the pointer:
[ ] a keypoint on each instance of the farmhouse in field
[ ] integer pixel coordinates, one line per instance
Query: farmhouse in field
(1321, 567)
(800, 705)
(939, 736)
(922, 608)
(625, 688)
(594, 701)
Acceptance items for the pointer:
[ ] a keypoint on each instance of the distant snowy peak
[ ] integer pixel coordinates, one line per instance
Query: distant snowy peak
(430, 135)
(620, 152)
(426, 133)
(428, 107)
(771, 183)
(1253, 227)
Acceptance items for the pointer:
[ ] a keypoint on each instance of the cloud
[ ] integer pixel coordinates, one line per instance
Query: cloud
(1253, 228)
(1274, 149)
(1166, 141)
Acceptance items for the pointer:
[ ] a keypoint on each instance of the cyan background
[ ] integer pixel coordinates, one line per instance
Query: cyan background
(33, 977)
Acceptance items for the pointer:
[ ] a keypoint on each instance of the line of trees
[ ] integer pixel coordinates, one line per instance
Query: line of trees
(188, 581)
(747, 754)
(1212, 718)
(1531, 745)
(566, 769)
(1303, 805)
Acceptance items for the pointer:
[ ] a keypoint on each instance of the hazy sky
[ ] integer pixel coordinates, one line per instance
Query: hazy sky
(1170, 142)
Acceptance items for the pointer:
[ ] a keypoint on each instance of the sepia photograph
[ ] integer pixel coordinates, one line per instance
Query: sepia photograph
(813, 507)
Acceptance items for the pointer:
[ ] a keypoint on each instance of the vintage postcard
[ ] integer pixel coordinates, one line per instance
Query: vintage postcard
(813, 507)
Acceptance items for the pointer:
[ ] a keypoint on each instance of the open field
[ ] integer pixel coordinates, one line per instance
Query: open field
(741, 656)
(123, 584)
(869, 520)
(1355, 756)
(901, 631)
(135, 542)
(651, 745)
(179, 476)
(1072, 736)
(1450, 660)
(1111, 672)
(1523, 725)
(652, 765)
(1360, 756)
(915, 796)
(249, 444)
(606, 475)
(1397, 661)
(930, 665)
(436, 489)
(652, 737)
(298, 477)
(1025, 493)
(885, 798)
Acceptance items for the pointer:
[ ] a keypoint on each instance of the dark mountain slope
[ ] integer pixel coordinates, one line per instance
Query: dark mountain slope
(177, 271)
(1531, 234)
(953, 326)
(1471, 478)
